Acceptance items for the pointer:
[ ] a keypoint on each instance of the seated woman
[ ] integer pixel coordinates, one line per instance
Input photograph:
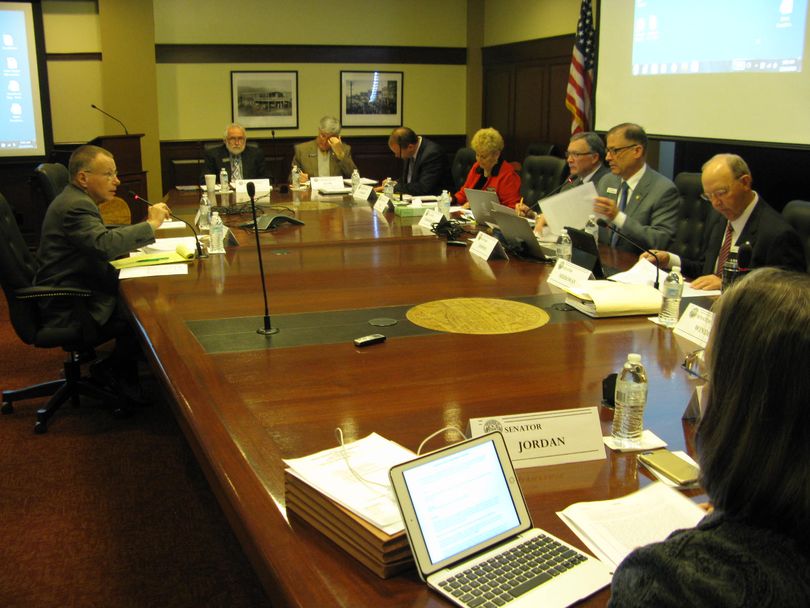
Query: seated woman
(753, 445)
(490, 171)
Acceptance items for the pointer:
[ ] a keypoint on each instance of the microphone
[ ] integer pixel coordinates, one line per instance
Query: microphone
(267, 330)
(200, 253)
(605, 224)
(95, 107)
(536, 205)
(271, 176)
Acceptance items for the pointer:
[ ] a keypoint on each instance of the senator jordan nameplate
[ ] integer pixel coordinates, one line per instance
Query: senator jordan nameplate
(544, 438)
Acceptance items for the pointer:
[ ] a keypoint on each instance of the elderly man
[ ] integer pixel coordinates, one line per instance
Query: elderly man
(76, 247)
(326, 154)
(426, 169)
(586, 163)
(740, 215)
(640, 202)
(236, 157)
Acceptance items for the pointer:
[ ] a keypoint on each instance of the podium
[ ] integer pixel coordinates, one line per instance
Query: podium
(127, 152)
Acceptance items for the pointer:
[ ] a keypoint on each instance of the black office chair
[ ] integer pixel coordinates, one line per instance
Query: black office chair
(462, 163)
(51, 179)
(797, 214)
(541, 148)
(540, 176)
(692, 217)
(17, 267)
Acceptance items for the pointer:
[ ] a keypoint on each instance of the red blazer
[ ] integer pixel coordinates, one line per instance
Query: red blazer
(504, 181)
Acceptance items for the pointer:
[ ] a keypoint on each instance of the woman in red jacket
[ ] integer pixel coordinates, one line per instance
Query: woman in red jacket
(491, 172)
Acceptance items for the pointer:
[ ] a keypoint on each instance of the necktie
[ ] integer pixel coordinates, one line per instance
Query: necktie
(236, 167)
(623, 192)
(724, 250)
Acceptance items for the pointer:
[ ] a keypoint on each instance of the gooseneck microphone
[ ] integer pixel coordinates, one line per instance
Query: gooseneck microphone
(268, 329)
(200, 253)
(605, 224)
(536, 205)
(95, 107)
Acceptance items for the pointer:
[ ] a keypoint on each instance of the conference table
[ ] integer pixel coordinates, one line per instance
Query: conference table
(247, 401)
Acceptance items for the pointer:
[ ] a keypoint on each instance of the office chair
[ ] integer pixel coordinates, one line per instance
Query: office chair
(17, 268)
(540, 176)
(462, 163)
(541, 148)
(692, 216)
(51, 179)
(797, 214)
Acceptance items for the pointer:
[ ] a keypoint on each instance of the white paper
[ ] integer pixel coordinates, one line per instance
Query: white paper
(332, 183)
(160, 270)
(169, 244)
(569, 208)
(364, 181)
(643, 273)
(171, 224)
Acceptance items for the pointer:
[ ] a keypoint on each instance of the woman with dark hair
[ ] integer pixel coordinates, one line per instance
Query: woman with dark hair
(753, 445)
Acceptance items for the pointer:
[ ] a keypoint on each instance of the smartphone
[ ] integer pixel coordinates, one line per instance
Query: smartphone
(670, 466)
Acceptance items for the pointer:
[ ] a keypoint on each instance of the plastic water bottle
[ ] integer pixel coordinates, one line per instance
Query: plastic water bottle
(223, 180)
(205, 213)
(592, 228)
(295, 176)
(564, 246)
(671, 303)
(631, 398)
(388, 188)
(355, 180)
(444, 203)
(217, 233)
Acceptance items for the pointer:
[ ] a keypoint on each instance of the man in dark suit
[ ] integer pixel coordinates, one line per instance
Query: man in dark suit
(426, 169)
(740, 216)
(239, 160)
(640, 202)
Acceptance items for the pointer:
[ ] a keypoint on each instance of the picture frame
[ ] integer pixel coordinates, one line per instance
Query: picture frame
(265, 100)
(371, 99)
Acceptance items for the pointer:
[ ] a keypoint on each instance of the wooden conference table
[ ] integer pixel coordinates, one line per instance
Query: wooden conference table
(243, 412)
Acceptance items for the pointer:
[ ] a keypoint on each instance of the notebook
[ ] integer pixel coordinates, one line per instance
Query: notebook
(465, 518)
(519, 236)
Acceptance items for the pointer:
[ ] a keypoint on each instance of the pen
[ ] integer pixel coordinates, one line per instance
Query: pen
(152, 260)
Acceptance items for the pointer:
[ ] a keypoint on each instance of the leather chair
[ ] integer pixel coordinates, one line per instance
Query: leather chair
(797, 214)
(541, 148)
(17, 267)
(540, 176)
(51, 179)
(462, 163)
(692, 216)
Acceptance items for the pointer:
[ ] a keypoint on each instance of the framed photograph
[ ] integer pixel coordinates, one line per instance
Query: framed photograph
(371, 99)
(265, 100)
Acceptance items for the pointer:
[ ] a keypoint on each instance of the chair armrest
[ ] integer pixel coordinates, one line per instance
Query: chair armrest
(46, 291)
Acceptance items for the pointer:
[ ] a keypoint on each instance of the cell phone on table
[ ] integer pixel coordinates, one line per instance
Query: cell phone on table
(670, 466)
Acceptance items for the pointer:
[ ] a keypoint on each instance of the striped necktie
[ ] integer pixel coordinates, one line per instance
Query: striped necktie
(236, 167)
(724, 250)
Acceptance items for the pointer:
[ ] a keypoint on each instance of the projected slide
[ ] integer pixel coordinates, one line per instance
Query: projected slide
(717, 36)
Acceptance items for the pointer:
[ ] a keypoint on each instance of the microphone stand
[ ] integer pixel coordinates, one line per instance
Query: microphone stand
(267, 330)
(95, 107)
(604, 224)
(200, 253)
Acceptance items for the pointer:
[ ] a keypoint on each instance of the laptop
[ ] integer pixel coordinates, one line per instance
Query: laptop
(483, 203)
(466, 520)
(519, 236)
(585, 253)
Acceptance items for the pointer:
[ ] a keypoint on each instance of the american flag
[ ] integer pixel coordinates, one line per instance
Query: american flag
(580, 75)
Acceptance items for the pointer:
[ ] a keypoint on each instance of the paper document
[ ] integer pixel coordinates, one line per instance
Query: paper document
(153, 271)
(610, 299)
(356, 476)
(170, 244)
(569, 208)
(364, 181)
(153, 259)
(613, 528)
(171, 224)
(643, 273)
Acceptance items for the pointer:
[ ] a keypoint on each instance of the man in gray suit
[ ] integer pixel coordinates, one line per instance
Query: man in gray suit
(326, 154)
(635, 199)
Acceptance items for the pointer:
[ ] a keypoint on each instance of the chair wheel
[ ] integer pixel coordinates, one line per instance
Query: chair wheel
(7, 408)
(40, 427)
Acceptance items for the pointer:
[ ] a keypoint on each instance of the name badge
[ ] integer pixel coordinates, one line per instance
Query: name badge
(612, 190)
(486, 247)
(545, 438)
(695, 325)
(568, 276)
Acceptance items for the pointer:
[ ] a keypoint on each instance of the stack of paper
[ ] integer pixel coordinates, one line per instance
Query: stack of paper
(610, 299)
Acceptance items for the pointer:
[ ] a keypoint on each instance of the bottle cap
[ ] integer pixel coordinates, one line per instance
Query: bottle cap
(634, 358)
(676, 269)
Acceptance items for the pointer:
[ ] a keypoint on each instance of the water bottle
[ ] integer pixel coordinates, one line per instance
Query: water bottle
(731, 269)
(205, 213)
(631, 398)
(217, 233)
(564, 246)
(444, 203)
(295, 176)
(223, 180)
(388, 188)
(592, 228)
(355, 181)
(671, 303)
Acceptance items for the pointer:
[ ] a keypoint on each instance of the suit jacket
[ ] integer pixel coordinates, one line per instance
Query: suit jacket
(75, 249)
(601, 172)
(431, 171)
(306, 157)
(773, 242)
(652, 211)
(252, 162)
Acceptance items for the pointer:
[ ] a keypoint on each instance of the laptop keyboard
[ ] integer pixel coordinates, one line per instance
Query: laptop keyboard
(500, 579)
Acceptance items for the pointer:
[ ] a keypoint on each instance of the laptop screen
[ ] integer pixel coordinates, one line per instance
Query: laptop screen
(461, 500)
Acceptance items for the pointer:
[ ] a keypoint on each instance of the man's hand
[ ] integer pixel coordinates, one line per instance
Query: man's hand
(157, 214)
(524, 210)
(605, 206)
(337, 147)
(707, 282)
(663, 257)
(303, 178)
(539, 224)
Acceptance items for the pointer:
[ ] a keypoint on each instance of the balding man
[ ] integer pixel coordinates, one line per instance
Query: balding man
(425, 169)
(739, 216)
(326, 154)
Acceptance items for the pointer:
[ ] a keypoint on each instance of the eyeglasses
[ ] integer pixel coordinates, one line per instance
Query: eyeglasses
(236, 139)
(719, 193)
(615, 151)
(695, 364)
(110, 175)
(577, 154)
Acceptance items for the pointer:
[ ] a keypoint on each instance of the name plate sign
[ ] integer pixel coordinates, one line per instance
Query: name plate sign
(695, 325)
(430, 217)
(382, 203)
(545, 438)
(567, 276)
(362, 193)
(485, 247)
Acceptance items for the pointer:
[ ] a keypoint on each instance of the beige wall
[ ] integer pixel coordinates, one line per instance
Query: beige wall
(518, 20)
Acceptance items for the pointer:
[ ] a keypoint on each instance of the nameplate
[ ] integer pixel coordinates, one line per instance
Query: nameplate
(611, 190)
(430, 217)
(383, 203)
(695, 325)
(362, 193)
(330, 184)
(486, 247)
(568, 276)
(545, 438)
